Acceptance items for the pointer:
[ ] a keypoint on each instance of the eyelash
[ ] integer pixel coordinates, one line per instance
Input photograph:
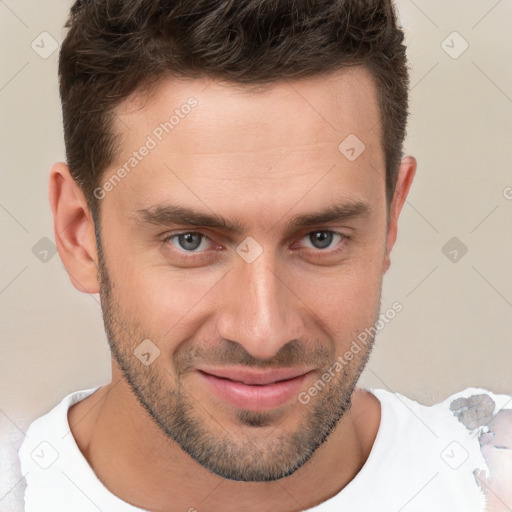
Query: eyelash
(190, 255)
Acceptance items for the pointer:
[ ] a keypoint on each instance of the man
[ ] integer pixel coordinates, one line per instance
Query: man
(232, 190)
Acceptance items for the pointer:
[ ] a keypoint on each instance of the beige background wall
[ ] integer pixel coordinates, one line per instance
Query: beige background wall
(455, 327)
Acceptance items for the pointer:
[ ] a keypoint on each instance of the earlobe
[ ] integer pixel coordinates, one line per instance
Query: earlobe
(404, 181)
(73, 229)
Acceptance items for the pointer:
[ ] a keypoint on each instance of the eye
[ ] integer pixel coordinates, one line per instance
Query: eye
(319, 242)
(323, 239)
(188, 242)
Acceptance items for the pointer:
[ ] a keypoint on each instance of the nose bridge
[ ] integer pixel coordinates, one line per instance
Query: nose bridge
(261, 312)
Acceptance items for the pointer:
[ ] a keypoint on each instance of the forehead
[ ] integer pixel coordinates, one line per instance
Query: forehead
(330, 107)
(241, 139)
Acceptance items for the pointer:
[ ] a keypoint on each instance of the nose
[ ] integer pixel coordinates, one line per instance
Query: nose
(259, 310)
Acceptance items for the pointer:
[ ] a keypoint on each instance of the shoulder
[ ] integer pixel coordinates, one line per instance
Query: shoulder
(472, 407)
(489, 418)
(475, 407)
(448, 439)
(44, 453)
(50, 428)
(471, 430)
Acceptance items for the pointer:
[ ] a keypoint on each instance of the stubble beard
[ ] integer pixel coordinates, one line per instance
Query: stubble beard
(255, 458)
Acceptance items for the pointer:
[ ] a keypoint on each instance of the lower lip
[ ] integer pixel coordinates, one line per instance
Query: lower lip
(256, 398)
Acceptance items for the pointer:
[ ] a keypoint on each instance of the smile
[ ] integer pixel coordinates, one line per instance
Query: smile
(255, 391)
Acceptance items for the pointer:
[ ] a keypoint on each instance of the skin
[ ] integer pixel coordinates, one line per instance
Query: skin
(260, 158)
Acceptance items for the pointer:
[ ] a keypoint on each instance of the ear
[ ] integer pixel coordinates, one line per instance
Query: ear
(74, 229)
(404, 181)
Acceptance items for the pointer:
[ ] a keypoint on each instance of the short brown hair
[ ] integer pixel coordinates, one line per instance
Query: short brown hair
(116, 47)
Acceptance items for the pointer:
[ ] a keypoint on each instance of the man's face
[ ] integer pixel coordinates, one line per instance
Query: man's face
(291, 296)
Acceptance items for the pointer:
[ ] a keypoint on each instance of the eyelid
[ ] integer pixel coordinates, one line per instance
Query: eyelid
(330, 251)
(168, 237)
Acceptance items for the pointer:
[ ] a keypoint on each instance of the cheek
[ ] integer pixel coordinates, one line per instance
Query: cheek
(173, 303)
(160, 297)
(343, 300)
(347, 300)
(167, 305)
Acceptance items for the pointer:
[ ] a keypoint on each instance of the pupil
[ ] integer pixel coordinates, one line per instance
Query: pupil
(191, 240)
(321, 239)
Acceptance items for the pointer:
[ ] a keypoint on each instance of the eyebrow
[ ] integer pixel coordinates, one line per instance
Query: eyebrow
(170, 214)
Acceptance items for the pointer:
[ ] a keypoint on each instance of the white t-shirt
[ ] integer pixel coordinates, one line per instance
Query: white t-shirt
(422, 460)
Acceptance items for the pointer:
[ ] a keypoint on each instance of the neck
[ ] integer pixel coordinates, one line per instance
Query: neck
(137, 462)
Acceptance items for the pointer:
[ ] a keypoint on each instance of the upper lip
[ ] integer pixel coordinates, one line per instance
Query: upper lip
(255, 377)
